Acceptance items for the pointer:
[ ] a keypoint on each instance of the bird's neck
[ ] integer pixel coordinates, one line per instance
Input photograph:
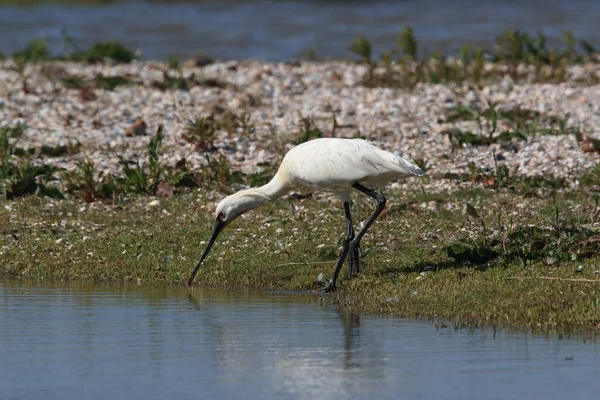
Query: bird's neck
(273, 190)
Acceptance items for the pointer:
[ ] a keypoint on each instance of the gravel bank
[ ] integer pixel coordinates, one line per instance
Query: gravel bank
(277, 97)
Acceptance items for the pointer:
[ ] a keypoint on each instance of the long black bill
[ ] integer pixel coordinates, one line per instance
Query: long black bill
(219, 225)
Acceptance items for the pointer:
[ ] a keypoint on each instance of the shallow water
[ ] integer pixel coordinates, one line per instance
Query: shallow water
(123, 342)
(281, 30)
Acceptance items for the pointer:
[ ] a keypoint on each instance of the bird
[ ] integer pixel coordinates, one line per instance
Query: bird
(335, 165)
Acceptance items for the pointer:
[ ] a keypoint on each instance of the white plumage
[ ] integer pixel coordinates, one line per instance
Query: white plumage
(336, 164)
(329, 164)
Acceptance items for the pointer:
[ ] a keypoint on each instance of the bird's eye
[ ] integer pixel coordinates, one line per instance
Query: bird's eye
(220, 216)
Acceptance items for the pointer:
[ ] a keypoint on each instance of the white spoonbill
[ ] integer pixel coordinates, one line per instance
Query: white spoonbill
(329, 164)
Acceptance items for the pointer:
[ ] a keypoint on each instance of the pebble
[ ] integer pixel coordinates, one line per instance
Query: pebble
(154, 203)
(138, 128)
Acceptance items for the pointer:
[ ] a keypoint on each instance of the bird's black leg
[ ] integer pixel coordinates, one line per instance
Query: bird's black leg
(353, 251)
(349, 237)
(354, 244)
(353, 255)
(353, 260)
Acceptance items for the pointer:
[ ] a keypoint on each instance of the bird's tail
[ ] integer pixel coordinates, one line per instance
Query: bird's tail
(410, 167)
(405, 166)
(395, 162)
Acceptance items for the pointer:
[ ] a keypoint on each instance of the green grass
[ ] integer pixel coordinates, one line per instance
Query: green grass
(407, 269)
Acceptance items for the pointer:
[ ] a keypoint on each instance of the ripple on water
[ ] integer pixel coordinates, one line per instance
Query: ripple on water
(163, 342)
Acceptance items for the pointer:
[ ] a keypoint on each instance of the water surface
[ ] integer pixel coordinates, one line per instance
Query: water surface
(123, 342)
(281, 30)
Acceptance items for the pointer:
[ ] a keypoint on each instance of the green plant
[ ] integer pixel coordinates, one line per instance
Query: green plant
(7, 147)
(407, 42)
(201, 132)
(173, 78)
(173, 62)
(502, 176)
(30, 178)
(155, 168)
(591, 176)
(102, 51)
(181, 175)
(525, 123)
(244, 123)
(487, 119)
(510, 46)
(571, 43)
(465, 58)
(138, 179)
(25, 178)
(233, 123)
(409, 70)
(73, 82)
(513, 49)
(478, 64)
(588, 48)
(82, 177)
(362, 47)
(472, 212)
(109, 82)
(35, 51)
(82, 181)
(220, 172)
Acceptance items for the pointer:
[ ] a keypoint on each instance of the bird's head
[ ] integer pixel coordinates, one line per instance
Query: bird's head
(235, 205)
(227, 210)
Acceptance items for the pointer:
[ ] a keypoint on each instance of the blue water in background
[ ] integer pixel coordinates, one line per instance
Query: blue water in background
(283, 30)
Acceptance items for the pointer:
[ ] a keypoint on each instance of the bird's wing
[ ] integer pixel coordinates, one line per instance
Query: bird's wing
(341, 162)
